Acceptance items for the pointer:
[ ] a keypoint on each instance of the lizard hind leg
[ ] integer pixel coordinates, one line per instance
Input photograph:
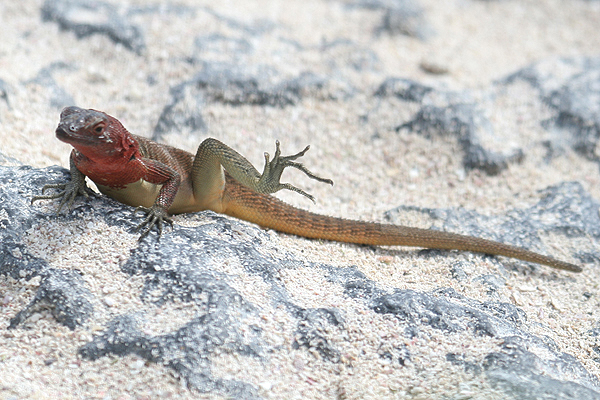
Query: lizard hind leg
(270, 178)
(213, 155)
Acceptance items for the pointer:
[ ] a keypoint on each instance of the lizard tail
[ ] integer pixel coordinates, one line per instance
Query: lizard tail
(270, 212)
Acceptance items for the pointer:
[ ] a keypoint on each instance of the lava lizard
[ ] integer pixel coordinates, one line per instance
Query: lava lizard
(162, 180)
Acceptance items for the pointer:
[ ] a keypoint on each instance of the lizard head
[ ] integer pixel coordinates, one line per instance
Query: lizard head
(95, 134)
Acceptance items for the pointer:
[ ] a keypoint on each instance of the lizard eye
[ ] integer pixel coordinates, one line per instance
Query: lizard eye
(98, 129)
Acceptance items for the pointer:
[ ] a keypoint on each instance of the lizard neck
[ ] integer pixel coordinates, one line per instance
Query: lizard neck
(114, 163)
(116, 175)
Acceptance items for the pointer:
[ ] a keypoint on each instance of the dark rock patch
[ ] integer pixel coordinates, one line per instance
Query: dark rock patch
(85, 18)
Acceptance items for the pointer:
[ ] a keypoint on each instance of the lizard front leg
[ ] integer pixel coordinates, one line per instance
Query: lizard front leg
(213, 156)
(68, 191)
(159, 173)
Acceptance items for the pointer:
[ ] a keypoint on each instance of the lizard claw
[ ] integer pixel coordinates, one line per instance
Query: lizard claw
(67, 193)
(155, 216)
(269, 180)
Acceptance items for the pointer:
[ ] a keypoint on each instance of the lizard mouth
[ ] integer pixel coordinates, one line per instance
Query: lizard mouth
(65, 135)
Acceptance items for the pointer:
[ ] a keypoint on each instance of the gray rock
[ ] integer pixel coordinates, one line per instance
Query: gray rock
(493, 282)
(522, 374)
(404, 17)
(448, 311)
(59, 97)
(176, 269)
(456, 114)
(403, 89)
(183, 112)
(235, 86)
(218, 43)
(4, 91)
(551, 74)
(258, 27)
(181, 10)
(342, 53)
(565, 209)
(89, 17)
(578, 106)
(458, 271)
(188, 350)
(571, 87)
(469, 124)
(516, 368)
(63, 290)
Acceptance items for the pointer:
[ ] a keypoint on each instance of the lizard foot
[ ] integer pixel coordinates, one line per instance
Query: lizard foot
(155, 216)
(68, 192)
(269, 180)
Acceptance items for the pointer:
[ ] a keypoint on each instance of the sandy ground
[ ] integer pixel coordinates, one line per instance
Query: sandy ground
(374, 168)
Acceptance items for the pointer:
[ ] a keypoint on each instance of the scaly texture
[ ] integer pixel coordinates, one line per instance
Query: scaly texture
(163, 180)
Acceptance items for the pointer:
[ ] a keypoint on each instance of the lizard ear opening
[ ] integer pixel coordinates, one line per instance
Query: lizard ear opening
(129, 144)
